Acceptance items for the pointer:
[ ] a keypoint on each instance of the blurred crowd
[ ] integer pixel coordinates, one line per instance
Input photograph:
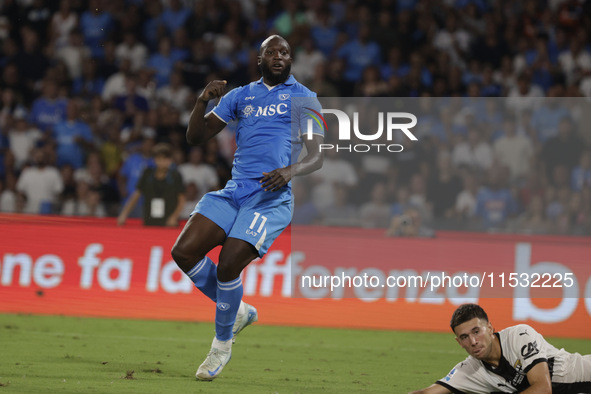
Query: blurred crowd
(88, 87)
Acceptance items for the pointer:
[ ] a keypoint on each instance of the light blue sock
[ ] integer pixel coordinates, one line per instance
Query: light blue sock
(205, 277)
(229, 296)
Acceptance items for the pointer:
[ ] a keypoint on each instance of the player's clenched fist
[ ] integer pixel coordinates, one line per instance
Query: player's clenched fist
(213, 90)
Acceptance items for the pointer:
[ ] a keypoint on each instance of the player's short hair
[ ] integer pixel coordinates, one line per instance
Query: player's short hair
(465, 313)
(162, 149)
(265, 43)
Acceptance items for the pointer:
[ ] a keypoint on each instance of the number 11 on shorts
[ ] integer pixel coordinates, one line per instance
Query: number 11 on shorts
(254, 221)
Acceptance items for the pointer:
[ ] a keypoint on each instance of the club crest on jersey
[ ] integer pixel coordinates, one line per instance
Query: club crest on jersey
(283, 96)
(249, 109)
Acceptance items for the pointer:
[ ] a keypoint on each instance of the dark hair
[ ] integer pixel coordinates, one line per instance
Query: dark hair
(465, 313)
(162, 149)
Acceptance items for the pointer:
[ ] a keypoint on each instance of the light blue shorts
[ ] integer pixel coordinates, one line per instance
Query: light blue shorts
(247, 212)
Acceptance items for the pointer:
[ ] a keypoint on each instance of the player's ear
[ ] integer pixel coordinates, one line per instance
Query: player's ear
(259, 60)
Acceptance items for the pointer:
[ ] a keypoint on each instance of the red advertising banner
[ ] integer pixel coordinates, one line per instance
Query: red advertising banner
(91, 267)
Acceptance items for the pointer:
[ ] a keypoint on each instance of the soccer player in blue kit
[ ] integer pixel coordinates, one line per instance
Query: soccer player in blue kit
(256, 204)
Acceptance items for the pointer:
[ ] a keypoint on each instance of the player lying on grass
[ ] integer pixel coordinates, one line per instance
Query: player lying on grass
(256, 204)
(514, 360)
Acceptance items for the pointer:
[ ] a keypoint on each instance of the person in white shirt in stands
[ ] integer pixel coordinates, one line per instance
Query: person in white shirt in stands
(132, 50)
(175, 93)
(22, 138)
(40, 184)
(514, 150)
(198, 172)
(515, 360)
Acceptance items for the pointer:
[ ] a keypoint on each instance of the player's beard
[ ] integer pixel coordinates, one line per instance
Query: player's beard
(275, 79)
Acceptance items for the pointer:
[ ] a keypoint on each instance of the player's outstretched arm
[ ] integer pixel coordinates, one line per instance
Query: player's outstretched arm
(202, 128)
(539, 380)
(433, 389)
(280, 177)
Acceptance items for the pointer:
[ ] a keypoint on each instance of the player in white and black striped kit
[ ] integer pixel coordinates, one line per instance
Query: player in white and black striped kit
(514, 360)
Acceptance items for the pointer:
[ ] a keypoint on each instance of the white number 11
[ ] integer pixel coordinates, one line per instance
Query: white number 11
(256, 217)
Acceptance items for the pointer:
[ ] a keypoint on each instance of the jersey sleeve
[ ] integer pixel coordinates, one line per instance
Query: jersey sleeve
(307, 117)
(226, 110)
(466, 377)
(454, 380)
(530, 346)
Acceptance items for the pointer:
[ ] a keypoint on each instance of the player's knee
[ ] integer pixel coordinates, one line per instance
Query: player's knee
(227, 271)
(182, 258)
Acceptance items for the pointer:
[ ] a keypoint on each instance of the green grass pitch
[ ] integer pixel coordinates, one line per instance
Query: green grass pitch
(55, 354)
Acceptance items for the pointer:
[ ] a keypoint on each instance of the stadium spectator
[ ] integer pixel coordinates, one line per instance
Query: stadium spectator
(96, 24)
(453, 39)
(89, 84)
(30, 61)
(524, 95)
(304, 211)
(10, 200)
(341, 212)
(546, 117)
(63, 21)
(306, 60)
(73, 137)
(581, 174)
(443, 187)
(108, 64)
(132, 170)
(376, 212)
(37, 16)
(161, 62)
(199, 173)
(371, 83)
(131, 103)
(174, 16)
(162, 189)
(323, 32)
(133, 50)
(74, 54)
(562, 150)
(49, 109)
(85, 202)
(191, 201)
(409, 224)
(494, 202)
(40, 184)
(359, 53)
(335, 171)
(289, 19)
(22, 139)
(533, 220)
(576, 61)
(175, 94)
(199, 65)
(475, 152)
(514, 150)
(465, 204)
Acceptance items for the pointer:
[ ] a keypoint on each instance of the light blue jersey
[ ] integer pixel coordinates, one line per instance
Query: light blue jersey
(266, 137)
(269, 136)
